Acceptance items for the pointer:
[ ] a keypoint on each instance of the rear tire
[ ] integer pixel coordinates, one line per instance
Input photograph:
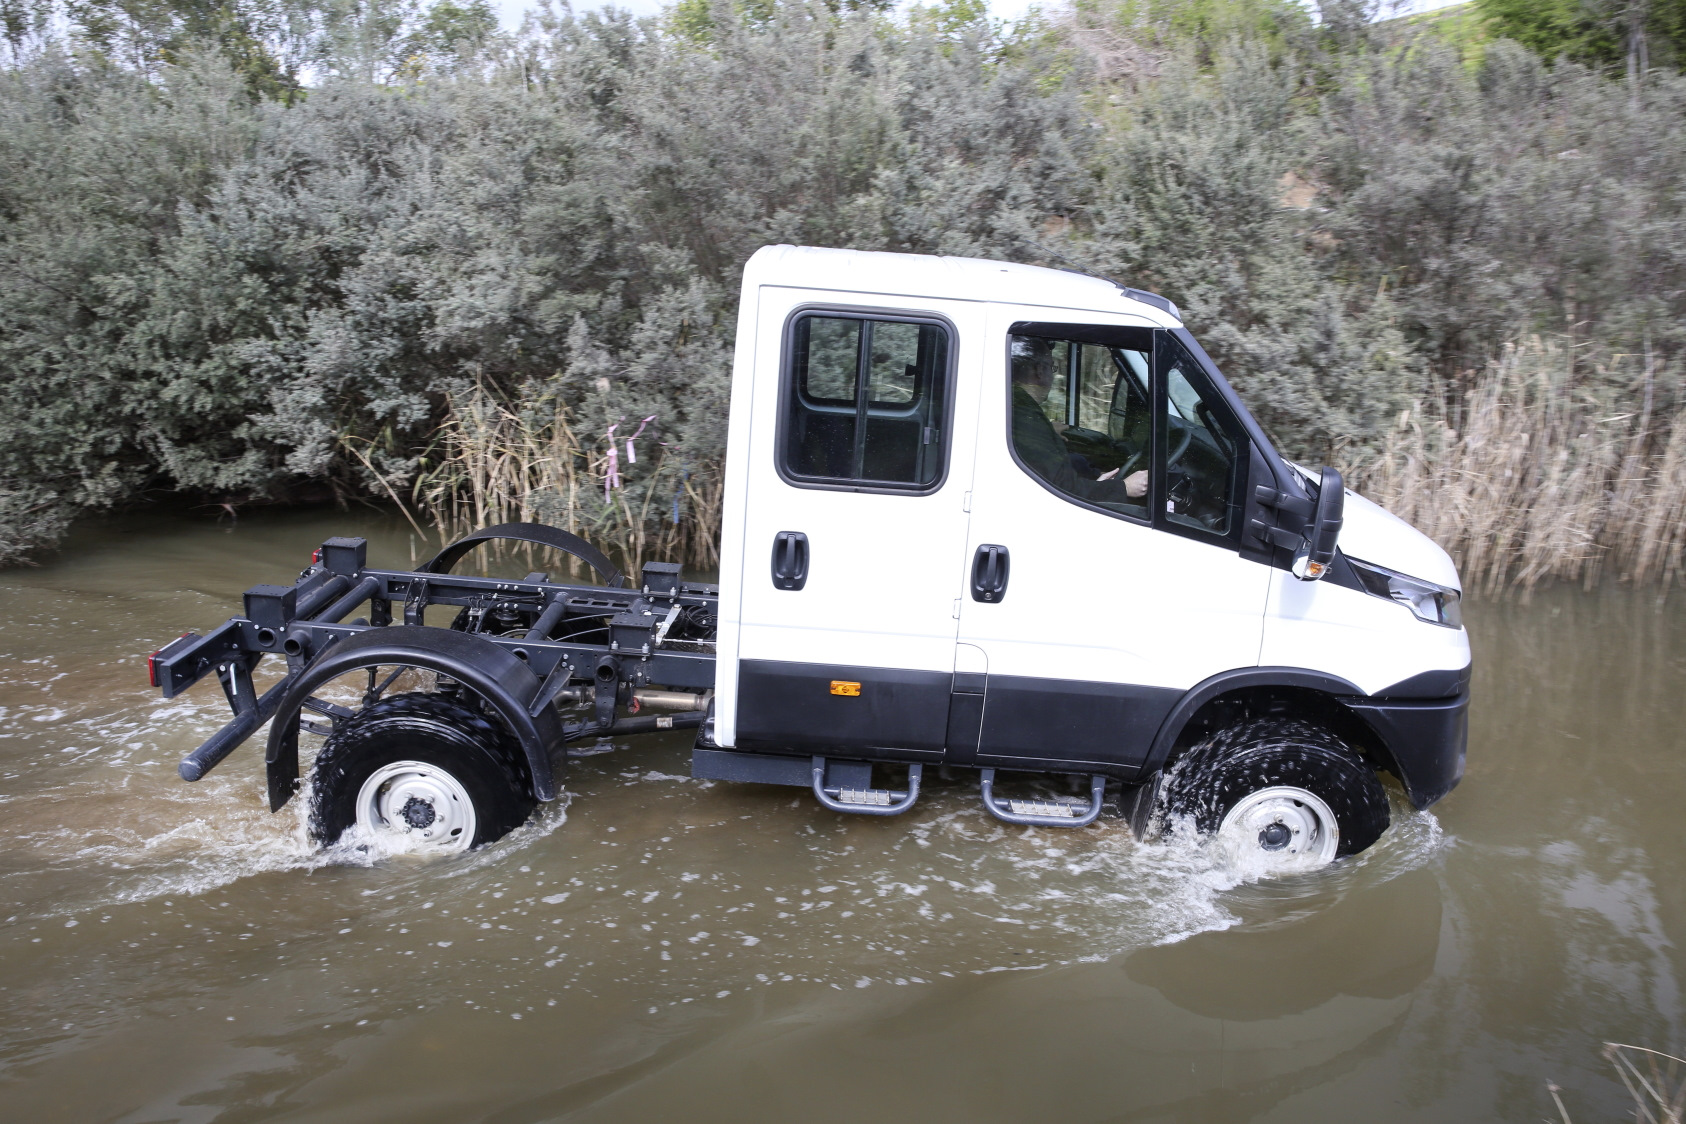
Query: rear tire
(1285, 793)
(428, 772)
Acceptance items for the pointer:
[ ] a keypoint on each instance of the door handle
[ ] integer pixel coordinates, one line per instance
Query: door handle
(790, 560)
(989, 573)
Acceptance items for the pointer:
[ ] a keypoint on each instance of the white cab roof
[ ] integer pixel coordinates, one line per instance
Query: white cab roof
(922, 275)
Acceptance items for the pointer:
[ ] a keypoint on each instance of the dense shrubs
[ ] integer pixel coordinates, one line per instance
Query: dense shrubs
(238, 295)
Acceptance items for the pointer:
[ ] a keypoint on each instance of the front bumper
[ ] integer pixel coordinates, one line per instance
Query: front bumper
(1427, 738)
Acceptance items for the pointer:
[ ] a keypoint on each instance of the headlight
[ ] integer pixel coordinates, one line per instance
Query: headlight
(1435, 604)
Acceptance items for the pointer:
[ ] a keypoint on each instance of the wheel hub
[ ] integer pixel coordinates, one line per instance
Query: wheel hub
(418, 813)
(420, 804)
(1284, 827)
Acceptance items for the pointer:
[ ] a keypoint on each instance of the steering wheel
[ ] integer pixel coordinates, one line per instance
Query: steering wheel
(1185, 437)
(1129, 464)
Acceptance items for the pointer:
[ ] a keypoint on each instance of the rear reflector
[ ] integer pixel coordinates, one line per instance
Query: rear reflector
(152, 660)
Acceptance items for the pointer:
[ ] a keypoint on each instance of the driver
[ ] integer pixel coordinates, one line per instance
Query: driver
(1040, 445)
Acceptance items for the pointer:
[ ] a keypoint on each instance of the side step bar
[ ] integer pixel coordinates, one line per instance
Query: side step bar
(1043, 813)
(842, 786)
(853, 791)
(846, 786)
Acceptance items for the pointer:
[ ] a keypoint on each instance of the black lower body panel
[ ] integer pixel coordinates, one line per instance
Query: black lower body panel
(709, 764)
(897, 715)
(1427, 739)
(998, 721)
(1067, 725)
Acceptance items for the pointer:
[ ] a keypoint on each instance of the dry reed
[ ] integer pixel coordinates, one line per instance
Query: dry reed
(497, 462)
(1532, 476)
(1655, 1080)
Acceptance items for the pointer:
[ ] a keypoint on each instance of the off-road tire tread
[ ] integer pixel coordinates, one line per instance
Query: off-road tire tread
(476, 749)
(1217, 772)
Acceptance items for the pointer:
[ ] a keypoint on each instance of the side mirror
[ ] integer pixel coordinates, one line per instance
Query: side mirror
(1313, 558)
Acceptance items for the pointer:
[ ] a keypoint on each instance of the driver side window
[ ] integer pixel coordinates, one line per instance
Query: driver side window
(1080, 419)
(1090, 421)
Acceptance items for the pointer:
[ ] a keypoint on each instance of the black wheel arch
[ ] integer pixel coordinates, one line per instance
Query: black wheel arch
(506, 684)
(1258, 692)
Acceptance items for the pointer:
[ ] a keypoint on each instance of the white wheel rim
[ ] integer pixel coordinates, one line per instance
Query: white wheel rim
(422, 805)
(1282, 828)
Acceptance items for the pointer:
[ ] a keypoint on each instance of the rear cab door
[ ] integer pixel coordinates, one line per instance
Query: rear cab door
(852, 466)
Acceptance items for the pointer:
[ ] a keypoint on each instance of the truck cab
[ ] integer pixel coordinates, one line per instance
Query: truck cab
(1009, 518)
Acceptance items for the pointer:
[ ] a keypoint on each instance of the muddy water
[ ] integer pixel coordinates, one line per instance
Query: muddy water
(663, 949)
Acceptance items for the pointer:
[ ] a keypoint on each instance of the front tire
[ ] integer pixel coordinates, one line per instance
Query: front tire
(421, 771)
(1282, 794)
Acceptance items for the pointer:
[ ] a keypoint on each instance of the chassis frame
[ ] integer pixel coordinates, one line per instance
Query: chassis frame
(500, 646)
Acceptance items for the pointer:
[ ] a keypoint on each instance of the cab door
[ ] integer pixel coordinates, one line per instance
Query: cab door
(1105, 577)
(854, 524)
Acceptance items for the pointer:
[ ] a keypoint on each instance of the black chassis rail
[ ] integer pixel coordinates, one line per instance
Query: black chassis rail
(522, 675)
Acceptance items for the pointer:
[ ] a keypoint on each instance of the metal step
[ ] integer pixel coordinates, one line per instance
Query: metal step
(1061, 811)
(846, 786)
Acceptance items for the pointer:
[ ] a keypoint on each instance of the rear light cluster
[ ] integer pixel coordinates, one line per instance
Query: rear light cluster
(152, 660)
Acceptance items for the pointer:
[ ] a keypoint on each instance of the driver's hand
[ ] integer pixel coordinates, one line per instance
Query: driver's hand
(1135, 484)
(1108, 475)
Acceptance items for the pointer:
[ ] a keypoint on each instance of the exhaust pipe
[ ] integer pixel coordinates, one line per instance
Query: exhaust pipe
(651, 698)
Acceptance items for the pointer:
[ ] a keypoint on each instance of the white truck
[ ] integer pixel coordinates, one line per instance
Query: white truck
(977, 515)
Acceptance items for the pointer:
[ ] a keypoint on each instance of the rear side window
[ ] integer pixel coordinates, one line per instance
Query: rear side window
(865, 401)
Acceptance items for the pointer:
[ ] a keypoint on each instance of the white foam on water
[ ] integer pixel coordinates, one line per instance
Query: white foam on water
(358, 847)
(153, 836)
(229, 842)
(101, 794)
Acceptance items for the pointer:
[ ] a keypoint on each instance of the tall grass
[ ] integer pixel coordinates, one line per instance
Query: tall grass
(495, 461)
(1535, 476)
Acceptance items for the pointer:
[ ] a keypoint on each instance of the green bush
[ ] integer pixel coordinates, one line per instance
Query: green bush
(212, 287)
